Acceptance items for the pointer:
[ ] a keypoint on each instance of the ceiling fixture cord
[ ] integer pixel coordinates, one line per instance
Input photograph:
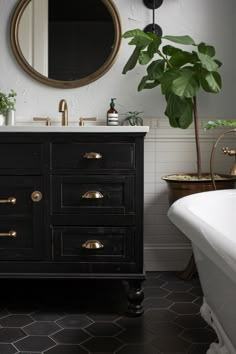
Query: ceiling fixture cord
(153, 5)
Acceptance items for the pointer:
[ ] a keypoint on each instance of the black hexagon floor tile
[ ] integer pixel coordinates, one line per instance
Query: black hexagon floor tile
(191, 321)
(136, 336)
(173, 345)
(7, 349)
(79, 322)
(74, 321)
(46, 315)
(181, 297)
(198, 335)
(105, 316)
(159, 315)
(155, 292)
(196, 290)
(16, 321)
(169, 329)
(185, 308)
(70, 336)
(42, 328)
(159, 303)
(3, 313)
(104, 329)
(138, 349)
(10, 335)
(198, 349)
(66, 349)
(153, 282)
(35, 343)
(178, 286)
(102, 345)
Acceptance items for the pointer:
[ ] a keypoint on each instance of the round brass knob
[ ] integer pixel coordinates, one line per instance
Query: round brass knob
(92, 244)
(36, 196)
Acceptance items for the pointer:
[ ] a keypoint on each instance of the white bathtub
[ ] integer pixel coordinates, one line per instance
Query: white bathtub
(208, 219)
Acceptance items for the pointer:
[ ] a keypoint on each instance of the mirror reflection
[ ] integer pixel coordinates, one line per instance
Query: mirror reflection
(66, 41)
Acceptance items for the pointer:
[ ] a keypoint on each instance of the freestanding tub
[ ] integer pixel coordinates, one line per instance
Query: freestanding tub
(208, 219)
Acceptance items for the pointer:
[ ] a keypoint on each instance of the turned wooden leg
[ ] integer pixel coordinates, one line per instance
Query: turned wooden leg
(135, 298)
(189, 271)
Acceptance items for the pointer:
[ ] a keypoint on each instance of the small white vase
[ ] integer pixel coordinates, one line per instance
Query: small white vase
(10, 117)
(2, 119)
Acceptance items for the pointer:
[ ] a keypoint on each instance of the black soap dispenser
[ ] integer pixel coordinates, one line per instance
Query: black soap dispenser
(112, 114)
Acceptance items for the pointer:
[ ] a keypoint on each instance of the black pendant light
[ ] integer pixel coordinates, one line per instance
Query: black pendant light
(153, 27)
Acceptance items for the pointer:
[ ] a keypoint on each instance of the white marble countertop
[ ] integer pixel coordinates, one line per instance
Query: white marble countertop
(73, 129)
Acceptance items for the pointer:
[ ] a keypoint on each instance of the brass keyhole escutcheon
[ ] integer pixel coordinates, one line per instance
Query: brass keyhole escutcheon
(36, 196)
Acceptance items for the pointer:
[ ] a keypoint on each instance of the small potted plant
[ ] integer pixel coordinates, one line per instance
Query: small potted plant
(7, 104)
(133, 118)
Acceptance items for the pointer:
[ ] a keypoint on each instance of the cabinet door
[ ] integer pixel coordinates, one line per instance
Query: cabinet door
(21, 218)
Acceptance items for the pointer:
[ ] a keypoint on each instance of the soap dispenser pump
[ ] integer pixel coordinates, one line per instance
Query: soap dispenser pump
(112, 114)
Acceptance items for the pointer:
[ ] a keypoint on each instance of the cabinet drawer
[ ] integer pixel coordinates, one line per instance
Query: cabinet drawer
(115, 244)
(93, 194)
(88, 156)
(20, 156)
(19, 240)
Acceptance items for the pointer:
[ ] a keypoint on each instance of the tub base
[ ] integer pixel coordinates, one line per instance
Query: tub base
(224, 346)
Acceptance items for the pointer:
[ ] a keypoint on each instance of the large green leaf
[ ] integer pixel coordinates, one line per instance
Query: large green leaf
(206, 49)
(186, 40)
(155, 69)
(136, 33)
(211, 81)
(139, 38)
(179, 111)
(187, 84)
(207, 62)
(132, 60)
(154, 45)
(182, 58)
(170, 50)
(144, 58)
(146, 83)
(167, 80)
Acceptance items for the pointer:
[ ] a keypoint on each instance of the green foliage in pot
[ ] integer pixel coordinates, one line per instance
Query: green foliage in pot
(220, 123)
(7, 102)
(133, 118)
(180, 73)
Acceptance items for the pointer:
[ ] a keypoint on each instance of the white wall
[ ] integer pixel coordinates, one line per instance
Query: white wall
(166, 150)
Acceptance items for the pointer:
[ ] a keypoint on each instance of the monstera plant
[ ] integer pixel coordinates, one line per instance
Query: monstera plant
(180, 73)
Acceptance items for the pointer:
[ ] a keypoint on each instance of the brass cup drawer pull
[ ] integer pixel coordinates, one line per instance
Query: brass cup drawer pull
(36, 196)
(93, 195)
(93, 155)
(10, 200)
(92, 244)
(11, 233)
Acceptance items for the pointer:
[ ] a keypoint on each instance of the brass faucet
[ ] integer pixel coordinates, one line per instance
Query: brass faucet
(227, 151)
(64, 110)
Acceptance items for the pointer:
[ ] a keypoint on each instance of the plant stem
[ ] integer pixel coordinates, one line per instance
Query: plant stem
(196, 131)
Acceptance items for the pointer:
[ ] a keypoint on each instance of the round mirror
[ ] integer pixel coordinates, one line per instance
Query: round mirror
(65, 43)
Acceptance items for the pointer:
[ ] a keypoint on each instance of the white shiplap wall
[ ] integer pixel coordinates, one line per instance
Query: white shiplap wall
(169, 150)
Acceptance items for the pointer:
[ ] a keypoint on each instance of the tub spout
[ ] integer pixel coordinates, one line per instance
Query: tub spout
(64, 110)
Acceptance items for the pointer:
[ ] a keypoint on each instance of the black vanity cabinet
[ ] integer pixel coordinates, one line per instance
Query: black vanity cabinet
(71, 205)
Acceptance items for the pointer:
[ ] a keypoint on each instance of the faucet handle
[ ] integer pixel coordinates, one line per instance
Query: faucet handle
(229, 152)
(82, 120)
(46, 120)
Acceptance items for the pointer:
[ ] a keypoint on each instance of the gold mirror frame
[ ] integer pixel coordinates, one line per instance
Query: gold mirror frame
(14, 28)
